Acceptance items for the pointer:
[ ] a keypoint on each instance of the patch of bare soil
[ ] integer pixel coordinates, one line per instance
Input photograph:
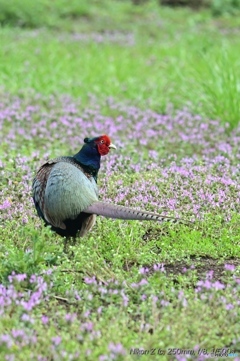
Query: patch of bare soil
(201, 266)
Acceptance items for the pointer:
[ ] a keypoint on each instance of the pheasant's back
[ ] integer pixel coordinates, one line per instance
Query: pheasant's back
(62, 190)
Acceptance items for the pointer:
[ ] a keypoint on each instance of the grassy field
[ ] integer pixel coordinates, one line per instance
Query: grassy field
(164, 84)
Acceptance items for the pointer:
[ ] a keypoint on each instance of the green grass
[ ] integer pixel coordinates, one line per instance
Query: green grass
(190, 62)
(174, 58)
(118, 244)
(115, 251)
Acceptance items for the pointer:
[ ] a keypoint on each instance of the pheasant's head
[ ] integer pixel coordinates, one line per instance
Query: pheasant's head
(102, 144)
(91, 152)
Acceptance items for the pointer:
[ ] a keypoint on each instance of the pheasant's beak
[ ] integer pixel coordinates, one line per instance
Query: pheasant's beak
(112, 146)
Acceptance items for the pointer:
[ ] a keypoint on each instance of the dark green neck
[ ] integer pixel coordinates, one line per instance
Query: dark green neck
(89, 159)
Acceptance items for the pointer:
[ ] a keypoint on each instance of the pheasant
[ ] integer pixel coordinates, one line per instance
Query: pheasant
(65, 192)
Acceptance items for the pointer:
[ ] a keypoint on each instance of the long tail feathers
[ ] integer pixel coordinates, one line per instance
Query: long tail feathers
(120, 212)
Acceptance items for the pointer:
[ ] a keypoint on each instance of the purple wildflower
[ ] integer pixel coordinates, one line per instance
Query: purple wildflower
(45, 320)
(70, 317)
(159, 267)
(117, 348)
(229, 267)
(87, 326)
(5, 205)
(56, 340)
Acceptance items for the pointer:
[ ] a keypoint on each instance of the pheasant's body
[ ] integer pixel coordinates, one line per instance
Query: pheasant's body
(62, 190)
(65, 192)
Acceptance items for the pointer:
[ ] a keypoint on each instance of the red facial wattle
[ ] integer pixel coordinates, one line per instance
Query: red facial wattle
(104, 145)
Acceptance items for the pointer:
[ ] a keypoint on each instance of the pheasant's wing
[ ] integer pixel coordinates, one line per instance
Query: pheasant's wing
(39, 186)
(68, 192)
